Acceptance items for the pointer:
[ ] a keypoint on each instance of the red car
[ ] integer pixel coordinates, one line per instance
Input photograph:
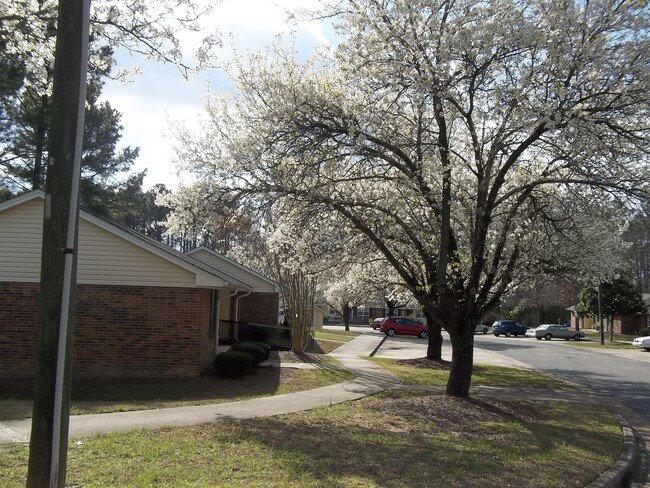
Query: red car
(401, 325)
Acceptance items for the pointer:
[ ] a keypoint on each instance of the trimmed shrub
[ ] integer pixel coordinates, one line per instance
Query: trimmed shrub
(644, 331)
(263, 345)
(258, 353)
(232, 363)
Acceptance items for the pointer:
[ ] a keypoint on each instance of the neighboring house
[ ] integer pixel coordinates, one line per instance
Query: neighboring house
(628, 325)
(142, 308)
(318, 317)
(365, 314)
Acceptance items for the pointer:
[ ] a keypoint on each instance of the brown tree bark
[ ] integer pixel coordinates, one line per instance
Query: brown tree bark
(434, 348)
(462, 361)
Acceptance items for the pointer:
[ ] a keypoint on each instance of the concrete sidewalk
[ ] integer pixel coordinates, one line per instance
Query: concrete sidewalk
(370, 379)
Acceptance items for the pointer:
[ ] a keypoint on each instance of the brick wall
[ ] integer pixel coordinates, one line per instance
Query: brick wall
(260, 308)
(119, 330)
(18, 316)
(628, 325)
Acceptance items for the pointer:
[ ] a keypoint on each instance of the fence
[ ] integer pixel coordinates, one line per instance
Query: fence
(276, 336)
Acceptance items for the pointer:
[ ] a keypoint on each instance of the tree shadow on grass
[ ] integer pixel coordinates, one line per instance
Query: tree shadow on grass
(399, 440)
(95, 395)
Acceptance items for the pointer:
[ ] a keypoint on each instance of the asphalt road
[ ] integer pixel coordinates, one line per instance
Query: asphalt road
(623, 375)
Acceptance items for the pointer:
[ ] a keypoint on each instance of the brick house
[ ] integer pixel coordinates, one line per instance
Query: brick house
(627, 325)
(143, 308)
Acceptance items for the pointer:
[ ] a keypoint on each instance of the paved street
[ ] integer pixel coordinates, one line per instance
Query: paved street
(622, 375)
(618, 374)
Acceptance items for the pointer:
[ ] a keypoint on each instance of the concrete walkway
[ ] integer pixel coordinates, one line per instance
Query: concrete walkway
(370, 379)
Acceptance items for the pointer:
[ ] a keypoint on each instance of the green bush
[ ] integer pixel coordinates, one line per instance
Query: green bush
(644, 331)
(263, 345)
(258, 353)
(233, 363)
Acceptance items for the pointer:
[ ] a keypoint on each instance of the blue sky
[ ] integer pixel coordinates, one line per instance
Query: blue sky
(152, 101)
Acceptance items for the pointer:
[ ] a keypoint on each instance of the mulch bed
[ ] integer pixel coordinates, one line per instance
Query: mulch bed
(305, 357)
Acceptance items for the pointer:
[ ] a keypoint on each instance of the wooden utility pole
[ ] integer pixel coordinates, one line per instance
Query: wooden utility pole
(50, 418)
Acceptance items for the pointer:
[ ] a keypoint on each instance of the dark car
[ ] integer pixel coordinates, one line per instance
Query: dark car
(376, 323)
(508, 328)
(401, 325)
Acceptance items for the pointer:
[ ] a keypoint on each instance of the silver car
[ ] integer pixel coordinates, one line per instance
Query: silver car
(642, 342)
(482, 329)
(550, 331)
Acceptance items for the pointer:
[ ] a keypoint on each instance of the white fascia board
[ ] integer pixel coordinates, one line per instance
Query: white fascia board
(209, 281)
(20, 199)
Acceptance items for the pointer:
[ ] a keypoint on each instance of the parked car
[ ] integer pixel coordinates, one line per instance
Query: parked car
(551, 331)
(642, 342)
(508, 328)
(376, 323)
(401, 325)
(482, 328)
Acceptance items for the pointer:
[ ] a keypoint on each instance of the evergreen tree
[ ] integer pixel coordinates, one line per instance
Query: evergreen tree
(618, 297)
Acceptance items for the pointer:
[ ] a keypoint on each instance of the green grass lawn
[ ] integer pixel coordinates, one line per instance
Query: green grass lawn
(398, 438)
(123, 394)
(336, 335)
(594, 343)
(593, 340)
(394, 439)
(430, 373)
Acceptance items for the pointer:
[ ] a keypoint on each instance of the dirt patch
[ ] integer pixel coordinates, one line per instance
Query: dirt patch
(463, 416)
(425, 363)
(305, 357)
(441, 410)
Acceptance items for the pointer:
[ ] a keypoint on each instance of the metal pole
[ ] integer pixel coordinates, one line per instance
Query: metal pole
(600, 314)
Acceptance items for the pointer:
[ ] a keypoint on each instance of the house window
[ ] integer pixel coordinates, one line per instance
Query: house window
(362, 312)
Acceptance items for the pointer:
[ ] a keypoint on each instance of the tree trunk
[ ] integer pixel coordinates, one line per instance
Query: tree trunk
(41, 133)
(346, 316)
(434, 348)
(462, 360)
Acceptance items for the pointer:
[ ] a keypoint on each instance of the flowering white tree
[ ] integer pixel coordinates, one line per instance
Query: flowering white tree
(448, 134)
(28, 29)
(345, 288)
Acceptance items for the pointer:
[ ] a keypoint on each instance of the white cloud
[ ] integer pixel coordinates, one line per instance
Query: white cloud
(161, 95)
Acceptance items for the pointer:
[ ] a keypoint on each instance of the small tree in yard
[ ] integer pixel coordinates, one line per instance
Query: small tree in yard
(298, 292)
(344, 289)
(452, 137)
(618, 296)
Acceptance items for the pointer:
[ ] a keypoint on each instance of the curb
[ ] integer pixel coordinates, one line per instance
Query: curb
(622, 471)
(629, 465)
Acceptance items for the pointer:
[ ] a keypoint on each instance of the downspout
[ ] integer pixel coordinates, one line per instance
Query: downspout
(237, 304)
(216, 334)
